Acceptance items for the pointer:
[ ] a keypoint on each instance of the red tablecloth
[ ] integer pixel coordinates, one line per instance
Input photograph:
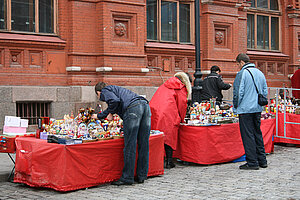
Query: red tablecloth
(217, 144)
(292, 130)
(71, 167)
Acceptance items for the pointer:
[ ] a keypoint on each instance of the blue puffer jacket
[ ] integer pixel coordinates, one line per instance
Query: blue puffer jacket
(245, 97)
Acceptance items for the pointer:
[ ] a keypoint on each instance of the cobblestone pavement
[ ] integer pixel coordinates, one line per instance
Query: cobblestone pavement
(281, 180)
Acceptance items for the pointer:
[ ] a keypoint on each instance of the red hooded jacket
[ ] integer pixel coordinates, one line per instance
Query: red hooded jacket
(296, 84)
(168, 108)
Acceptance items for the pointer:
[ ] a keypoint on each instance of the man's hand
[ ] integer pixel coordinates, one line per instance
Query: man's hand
(109, 117)
(94, 116)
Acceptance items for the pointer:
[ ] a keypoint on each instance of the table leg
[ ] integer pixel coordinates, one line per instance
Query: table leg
(11, 158)
(10, 177)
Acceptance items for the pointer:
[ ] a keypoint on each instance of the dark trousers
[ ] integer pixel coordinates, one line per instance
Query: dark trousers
(169, 153)
(252, 138)
(136, 125)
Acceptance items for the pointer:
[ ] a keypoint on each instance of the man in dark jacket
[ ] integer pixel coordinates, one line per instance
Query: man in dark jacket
(136, 115)
(213, 85)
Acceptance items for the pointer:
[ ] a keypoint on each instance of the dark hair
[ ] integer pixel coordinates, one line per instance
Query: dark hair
(99, 86)
(242, 57)
(215, 69)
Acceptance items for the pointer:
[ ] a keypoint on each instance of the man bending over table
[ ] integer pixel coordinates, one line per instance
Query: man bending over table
(136, 115)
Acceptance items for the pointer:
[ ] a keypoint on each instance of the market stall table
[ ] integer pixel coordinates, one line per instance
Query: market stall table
(217, 144)
(7, 145)
(72, 167)
(292, 130)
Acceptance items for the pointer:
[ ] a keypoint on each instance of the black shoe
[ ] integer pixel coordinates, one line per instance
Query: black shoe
(247, 167)
(185, 163)
(263, 165)
(119, 182)
(170, 165)
(139, 180)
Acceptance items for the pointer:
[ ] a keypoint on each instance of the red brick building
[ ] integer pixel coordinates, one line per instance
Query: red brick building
(54, 51)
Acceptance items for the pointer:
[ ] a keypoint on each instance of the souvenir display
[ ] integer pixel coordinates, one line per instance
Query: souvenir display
(82, 128)
(287, 105)
(210, 113)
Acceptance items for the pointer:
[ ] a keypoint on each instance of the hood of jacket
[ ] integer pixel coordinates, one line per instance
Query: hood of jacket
(248, 65)
(174, 83)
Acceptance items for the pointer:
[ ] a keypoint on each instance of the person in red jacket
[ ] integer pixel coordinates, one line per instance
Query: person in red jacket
(168, 108)
(296, 84)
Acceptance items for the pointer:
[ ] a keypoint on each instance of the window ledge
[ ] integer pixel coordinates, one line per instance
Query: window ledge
(31, 39)
(169, 46)
(267, 54)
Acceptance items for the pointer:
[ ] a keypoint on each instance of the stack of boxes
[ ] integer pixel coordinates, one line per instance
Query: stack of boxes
(13, 127)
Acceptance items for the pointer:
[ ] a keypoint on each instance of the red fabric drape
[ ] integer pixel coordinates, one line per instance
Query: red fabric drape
(217, 144)
(71, 167)
(292, 130)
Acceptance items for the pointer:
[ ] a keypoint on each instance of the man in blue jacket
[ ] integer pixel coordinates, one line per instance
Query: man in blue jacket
(245, 101)
(136, 115)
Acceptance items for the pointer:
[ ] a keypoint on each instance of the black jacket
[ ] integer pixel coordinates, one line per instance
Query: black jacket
(212, 87)
(117, 99)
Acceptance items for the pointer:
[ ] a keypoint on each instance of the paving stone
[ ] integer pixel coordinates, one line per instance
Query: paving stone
(280, 180)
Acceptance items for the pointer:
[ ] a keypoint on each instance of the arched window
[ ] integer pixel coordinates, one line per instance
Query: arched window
(169, 20)
(28, 15)
(263, 22)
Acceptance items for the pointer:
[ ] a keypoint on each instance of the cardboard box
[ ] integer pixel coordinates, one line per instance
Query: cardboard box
(24, 123)
(43, 135)
(12, 121)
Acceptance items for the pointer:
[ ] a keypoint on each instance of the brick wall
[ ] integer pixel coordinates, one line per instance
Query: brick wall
(106, 41)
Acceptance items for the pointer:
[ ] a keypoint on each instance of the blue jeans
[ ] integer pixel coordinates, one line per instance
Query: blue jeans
(136, 126)
(252, 139)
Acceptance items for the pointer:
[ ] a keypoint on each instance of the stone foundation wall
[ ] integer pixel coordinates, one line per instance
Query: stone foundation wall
(63, 100)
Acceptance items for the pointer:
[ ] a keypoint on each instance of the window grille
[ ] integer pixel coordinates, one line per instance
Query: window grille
(33, 111)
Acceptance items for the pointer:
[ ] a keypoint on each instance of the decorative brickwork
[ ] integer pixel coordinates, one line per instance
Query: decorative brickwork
(123, 27)
(152, 61)
(35, 59)
(280, 69)
(166, 64)
(120, 29)
(219, 36)
(261, 66)
(222, 35)
(16, 58)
